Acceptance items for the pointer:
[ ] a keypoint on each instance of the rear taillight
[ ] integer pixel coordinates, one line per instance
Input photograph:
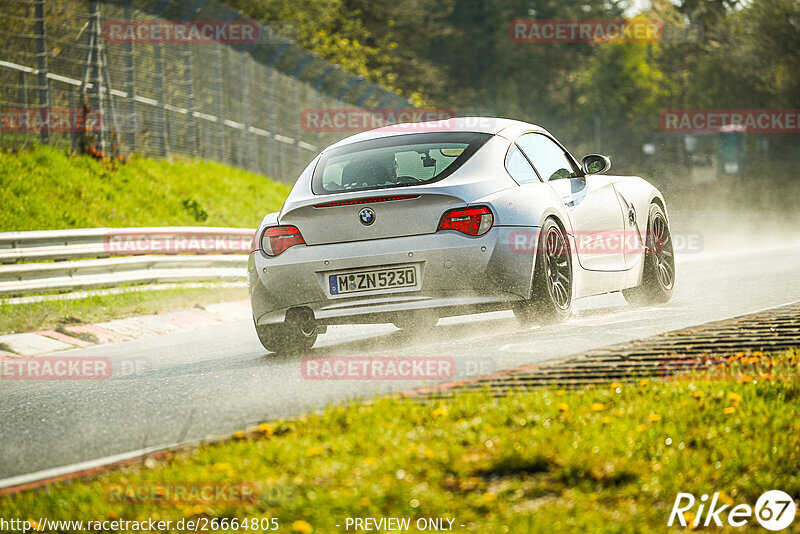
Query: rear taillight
(276, 239)
(470, 221)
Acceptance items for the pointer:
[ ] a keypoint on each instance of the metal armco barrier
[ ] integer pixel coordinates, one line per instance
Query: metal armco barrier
(65, 260)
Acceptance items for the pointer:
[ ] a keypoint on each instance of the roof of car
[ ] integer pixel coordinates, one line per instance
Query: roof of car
(490, 125)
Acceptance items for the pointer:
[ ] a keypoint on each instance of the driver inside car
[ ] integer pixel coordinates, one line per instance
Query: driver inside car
(375, 170)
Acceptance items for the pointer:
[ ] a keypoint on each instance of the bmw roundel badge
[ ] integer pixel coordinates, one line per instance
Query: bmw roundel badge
(366, 216)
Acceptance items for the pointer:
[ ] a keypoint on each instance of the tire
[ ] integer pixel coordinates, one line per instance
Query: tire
(658, 277)
(287, 338)
(551, 299)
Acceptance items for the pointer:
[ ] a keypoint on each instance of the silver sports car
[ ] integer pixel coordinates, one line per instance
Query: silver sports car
(415, 222)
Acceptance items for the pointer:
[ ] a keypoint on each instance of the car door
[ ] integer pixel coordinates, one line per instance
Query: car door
(592, 205)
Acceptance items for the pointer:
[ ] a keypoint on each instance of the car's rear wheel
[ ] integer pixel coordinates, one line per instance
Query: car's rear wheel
(294, 335)
(658, 278)
(551, 299)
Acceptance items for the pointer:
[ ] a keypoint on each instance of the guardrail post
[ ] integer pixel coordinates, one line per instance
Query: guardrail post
(296, 95)
(163, 140)
(272, 144)
(191, 129)
(245, 153)
(318, 134)
(41, 54)
(218, 98)
(130, 86)
(23, 91)
(73, 104)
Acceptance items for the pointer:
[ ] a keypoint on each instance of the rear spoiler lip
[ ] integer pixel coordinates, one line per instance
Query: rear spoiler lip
(316, 202)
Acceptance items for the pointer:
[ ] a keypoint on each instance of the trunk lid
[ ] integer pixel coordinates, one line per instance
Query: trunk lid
(337, 218)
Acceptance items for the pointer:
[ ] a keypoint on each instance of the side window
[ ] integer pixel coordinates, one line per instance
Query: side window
(519, 168)
(548, 158)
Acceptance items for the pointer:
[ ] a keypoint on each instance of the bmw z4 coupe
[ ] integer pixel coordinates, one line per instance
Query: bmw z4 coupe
(411, 223)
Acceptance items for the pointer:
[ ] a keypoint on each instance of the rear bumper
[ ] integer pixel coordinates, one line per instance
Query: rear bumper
(459, 274)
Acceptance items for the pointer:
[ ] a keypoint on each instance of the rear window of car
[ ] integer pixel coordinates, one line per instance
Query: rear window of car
(396, 161)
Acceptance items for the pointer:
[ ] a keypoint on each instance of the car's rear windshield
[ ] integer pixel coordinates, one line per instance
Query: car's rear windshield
(395, 161)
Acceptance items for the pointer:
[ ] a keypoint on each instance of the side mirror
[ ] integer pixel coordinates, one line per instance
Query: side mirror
(595, 164)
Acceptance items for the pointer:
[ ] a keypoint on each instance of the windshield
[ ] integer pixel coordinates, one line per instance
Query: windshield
(394, 161)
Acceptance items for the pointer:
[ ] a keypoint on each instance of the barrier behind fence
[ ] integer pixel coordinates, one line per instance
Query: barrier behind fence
(117, 65)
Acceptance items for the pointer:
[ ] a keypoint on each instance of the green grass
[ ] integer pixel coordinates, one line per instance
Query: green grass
(47, 189)
(599, 459)
(55, 314)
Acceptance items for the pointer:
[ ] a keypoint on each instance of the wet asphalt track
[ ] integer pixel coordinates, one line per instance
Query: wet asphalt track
(195, 384)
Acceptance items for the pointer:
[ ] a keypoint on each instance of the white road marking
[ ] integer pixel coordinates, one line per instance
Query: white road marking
(80, 466)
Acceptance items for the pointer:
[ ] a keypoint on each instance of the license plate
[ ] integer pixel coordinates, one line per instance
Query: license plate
(373, 279)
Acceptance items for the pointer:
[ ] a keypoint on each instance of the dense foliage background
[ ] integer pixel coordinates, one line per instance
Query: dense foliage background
(457, 54)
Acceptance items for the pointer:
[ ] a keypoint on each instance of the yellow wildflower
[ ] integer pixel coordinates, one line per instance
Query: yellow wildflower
(314, 451)
(303, 527)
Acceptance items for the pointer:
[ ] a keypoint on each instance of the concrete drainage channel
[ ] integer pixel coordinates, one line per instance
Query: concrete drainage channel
(658, 356)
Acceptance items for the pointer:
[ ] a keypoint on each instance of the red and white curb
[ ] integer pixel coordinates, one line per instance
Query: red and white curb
(71, 337)
(65, 473)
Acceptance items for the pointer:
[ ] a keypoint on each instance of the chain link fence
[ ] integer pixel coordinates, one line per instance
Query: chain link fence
(65, 81)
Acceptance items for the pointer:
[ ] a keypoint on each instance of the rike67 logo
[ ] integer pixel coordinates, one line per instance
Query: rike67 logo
(774, 510)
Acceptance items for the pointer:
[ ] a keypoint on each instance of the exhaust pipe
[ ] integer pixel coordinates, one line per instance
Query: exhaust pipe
(303, 317)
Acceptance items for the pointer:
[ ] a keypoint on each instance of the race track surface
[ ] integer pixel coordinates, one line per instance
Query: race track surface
(195, 384)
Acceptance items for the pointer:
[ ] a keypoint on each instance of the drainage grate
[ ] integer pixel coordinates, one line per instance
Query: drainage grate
(662, 355)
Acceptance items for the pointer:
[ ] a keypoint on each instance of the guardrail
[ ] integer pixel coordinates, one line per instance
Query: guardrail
(66, 260)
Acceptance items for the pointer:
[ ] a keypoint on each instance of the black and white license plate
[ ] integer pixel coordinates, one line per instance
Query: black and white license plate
(373, 279)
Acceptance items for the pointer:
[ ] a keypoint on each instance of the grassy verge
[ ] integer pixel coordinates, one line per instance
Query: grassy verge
(54, 314)
(46, 189)
(602, 459)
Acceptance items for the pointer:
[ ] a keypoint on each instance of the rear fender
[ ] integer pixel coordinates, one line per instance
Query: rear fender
(636, 194)
(527, 206)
